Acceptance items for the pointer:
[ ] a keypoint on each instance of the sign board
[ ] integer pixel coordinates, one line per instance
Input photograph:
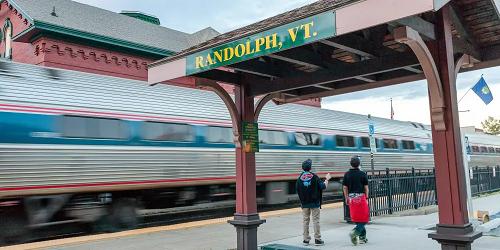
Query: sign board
(371, 132)
(373, 145)
(371, 128)
(468, 150)
(250, 136)
(304, 31)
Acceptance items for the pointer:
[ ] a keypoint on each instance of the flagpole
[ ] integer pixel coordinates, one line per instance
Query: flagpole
(392, 111)
(468, 91)
(464, 96)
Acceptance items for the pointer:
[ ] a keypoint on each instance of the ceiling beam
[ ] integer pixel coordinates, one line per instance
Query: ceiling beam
(300, 56)
(423, 27)
(466, 43)
(343, 72)
(220, 76)
(362, 47)
(351, 86)
(257, 67)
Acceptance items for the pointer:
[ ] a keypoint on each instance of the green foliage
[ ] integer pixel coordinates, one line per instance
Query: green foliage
(491, 126)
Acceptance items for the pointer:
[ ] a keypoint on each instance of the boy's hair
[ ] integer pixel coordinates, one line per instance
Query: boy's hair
(307, 165)
(355, 162)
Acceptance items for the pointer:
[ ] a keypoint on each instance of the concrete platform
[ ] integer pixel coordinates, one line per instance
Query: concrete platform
(282, 227)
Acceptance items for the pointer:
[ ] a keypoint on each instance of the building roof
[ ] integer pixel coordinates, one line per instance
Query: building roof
(74, 17)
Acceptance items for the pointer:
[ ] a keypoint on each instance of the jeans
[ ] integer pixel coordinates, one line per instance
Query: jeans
(307, 212)
(360, 229)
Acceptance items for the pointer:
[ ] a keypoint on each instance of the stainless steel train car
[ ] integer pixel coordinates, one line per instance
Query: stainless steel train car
(78, 146)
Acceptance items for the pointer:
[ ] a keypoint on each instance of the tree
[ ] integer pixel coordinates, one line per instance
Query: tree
(491, 126)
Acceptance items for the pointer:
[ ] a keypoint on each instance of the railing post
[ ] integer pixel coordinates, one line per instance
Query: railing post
(478, 181)
(435, 188)
(490, 178)
(389, 189)
(415, 197)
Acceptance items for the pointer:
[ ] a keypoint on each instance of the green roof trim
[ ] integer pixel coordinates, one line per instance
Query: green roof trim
(43, 26)
(141, 16)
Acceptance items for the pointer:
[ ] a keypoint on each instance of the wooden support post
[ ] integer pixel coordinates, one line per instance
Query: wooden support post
(454, 230)
(436, 58)
(246, 219)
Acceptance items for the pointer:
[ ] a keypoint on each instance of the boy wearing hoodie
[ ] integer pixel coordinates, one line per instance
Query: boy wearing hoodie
(310, 190)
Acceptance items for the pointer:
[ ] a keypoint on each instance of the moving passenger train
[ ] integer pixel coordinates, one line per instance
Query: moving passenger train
(78, 146)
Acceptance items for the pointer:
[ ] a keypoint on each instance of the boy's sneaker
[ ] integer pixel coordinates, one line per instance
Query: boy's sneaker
(305, 242)
(354, 237)
(319, 242)
(363, 240)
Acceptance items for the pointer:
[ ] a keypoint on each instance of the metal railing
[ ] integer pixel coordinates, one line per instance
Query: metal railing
(485, 180)
(393, 190)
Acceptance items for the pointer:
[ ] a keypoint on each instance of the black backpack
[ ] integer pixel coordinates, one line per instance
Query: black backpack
(308, 188)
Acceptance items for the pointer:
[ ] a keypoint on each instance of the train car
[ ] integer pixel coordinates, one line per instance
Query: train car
(79, 146)
(484, 150)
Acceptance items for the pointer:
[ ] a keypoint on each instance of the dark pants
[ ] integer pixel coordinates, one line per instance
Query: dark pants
(360, 229)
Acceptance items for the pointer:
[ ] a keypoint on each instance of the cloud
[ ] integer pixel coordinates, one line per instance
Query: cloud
(411, 101)
(193, 15)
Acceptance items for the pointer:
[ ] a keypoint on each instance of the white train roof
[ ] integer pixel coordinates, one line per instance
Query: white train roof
(25, 83)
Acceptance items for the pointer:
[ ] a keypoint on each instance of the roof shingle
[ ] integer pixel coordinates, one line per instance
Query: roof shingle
(86, 18)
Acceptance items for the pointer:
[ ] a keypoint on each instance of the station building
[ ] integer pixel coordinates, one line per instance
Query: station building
(71, 35)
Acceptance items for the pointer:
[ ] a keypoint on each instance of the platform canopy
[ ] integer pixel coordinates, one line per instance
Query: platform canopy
(326, 49)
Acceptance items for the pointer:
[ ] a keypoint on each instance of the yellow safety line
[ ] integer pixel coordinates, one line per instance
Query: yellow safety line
(149, 230)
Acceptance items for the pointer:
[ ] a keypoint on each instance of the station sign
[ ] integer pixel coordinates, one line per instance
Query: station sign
(250, 134)
(297, 33)
(371, 132)
(373, 144)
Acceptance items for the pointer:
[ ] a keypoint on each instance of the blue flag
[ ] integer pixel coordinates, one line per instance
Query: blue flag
(483, 91)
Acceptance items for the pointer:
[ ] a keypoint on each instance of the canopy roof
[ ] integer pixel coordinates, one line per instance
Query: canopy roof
(333, 47)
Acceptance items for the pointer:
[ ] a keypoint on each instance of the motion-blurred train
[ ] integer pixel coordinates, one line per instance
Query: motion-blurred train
(78, 146)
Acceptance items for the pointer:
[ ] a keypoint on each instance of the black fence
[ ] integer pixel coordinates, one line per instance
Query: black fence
(485, 180)
(393, 190)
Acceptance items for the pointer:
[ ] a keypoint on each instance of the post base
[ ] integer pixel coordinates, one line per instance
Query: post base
(246, 230)
(455, 237)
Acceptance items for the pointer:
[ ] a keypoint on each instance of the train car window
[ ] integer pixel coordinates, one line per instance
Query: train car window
(475, 149)
(158, 131)
(497, 150)
(273, 137)
(95, 128)
(390, 144)
(219, 135)
(365, 141)
(408, 144)
(345, 141)
(483, 149)
(491, 149)
(307, 139)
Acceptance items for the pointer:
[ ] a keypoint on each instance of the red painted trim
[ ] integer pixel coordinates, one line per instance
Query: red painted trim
(104, 184)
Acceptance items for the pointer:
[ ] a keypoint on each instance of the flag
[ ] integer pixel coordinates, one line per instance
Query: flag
(483, 91)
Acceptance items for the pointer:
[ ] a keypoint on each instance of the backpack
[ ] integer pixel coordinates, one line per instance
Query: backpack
(308, 188)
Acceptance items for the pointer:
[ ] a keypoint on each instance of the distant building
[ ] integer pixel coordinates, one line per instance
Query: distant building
(75, 36)
(471, 129)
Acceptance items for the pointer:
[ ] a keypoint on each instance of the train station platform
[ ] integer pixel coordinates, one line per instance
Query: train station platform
(282, 231)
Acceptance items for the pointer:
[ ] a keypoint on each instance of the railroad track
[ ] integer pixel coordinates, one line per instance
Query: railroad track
(156, 217)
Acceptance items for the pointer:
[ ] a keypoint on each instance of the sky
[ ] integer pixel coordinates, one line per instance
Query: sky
(410, 100)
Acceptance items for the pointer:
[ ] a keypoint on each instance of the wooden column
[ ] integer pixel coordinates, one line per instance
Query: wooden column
(246, 219)
(454, 230)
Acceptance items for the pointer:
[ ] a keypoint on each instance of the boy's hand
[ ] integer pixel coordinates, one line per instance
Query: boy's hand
(328, 177)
